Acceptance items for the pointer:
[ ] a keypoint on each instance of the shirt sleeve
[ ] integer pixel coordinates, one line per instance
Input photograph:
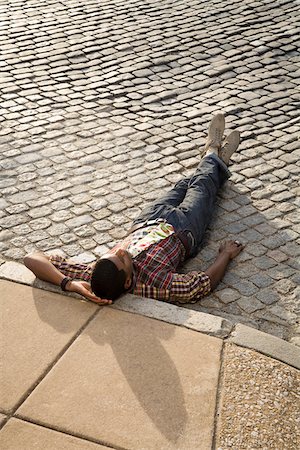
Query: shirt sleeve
(182, 288)
(189, 287)
(70, 269)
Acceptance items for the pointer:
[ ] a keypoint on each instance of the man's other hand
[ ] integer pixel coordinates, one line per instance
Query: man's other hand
(84, 288)
(231, 248)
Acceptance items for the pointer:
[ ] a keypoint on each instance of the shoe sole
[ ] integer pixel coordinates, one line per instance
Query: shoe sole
(217, 123)
(232, 141)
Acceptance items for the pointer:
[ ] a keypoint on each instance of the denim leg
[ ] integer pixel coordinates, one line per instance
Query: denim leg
(198, 204)
(189, 205)
(162, 207)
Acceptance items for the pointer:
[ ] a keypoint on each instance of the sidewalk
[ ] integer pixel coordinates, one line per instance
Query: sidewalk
(78, 376)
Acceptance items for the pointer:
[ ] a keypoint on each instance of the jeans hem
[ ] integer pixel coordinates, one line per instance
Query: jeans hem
(221, 163)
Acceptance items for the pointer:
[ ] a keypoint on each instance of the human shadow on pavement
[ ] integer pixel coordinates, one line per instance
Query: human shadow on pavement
(145, 363)
(148, 368)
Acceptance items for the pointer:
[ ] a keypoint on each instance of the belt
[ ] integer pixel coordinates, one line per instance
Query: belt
(147, 223)
(188, 241)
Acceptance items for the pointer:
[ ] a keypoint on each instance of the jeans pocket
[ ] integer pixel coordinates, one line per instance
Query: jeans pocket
(191, 242)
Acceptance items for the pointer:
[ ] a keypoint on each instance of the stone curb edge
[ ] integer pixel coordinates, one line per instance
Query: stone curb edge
(216, 326)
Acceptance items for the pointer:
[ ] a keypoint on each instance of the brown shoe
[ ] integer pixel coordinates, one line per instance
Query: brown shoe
(229, 146)
(215, 134)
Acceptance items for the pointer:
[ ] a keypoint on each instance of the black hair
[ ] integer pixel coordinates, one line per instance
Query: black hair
(107, 281)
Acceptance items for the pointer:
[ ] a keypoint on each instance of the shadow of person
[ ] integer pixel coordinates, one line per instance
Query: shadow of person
(139, 346)
(259, 288)
(63, 314)
(140, 349)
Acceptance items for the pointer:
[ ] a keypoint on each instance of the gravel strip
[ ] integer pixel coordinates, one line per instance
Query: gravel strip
(259, 408)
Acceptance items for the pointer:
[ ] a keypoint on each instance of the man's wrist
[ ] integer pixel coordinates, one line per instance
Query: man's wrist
(64, 282)
(224, 254)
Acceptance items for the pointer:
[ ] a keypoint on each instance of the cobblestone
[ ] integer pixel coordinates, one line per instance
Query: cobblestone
(105, 106)
(227, 295)
(261, 280)
(268, 296)
(250, 304)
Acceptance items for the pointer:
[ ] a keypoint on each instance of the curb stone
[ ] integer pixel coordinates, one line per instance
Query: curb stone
(17, 272)
(217, 326)
(195, 320)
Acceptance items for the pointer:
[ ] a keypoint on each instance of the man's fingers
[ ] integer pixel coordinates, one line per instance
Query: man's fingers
(94, 298)
(239, 248)
(239, 244)
(100, 301)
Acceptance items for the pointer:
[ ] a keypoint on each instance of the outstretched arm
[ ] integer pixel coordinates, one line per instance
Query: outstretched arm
(228, 251)
(41, 266)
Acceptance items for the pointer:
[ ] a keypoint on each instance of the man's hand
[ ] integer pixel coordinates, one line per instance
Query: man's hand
(231, 248)
(43, 269)
(84, 288)
(227, 251)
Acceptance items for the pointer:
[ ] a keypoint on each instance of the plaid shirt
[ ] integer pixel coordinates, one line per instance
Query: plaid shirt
(155, 273)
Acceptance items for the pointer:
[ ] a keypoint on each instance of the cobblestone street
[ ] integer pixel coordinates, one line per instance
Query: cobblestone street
(105, 104)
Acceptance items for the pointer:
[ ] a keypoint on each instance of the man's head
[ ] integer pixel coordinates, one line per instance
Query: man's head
(112, 275)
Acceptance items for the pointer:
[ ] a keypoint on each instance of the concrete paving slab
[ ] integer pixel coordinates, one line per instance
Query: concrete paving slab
(133, 382)
(17, 434)
(35, 326)
(259, 402)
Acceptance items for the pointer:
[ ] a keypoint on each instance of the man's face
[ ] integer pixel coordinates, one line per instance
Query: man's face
(123, 261)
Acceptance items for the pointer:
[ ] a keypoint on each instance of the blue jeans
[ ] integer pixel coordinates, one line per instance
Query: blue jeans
(189, 205)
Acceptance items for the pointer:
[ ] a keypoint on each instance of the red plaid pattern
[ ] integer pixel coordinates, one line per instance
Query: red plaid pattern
(72, 270)
(156, 275)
